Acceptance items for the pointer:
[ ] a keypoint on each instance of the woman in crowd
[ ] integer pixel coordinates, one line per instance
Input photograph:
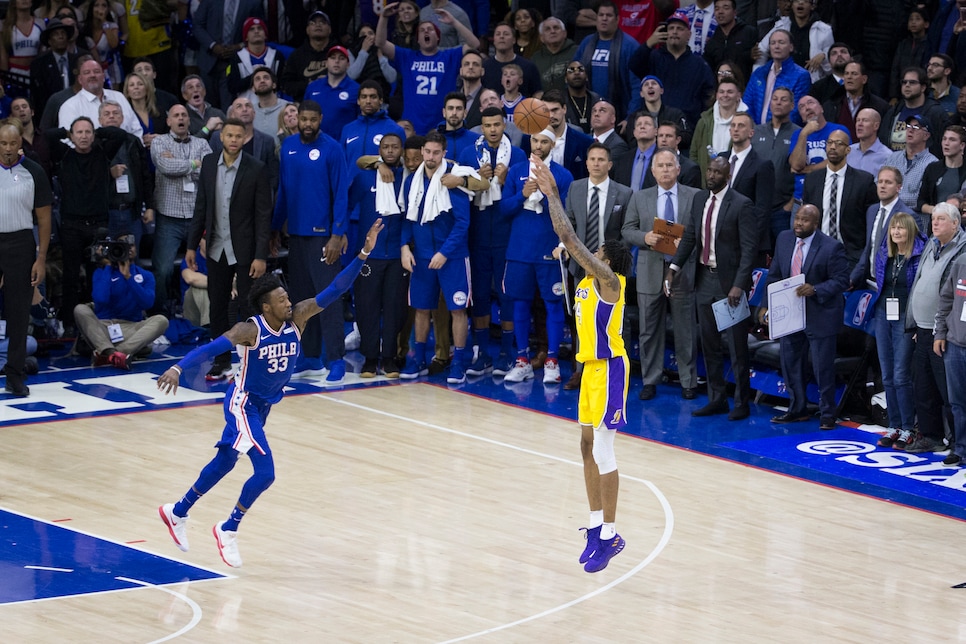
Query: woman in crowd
(895, 269)
(288, 121)
(407, 18)
(524, 23)
(103, 26)
(369, 63)
(21, 41)
(139, 92)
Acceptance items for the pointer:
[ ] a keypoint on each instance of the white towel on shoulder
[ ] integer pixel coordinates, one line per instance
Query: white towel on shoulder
(386, 200)
(437, 195)
(534, 201)
(486, 198)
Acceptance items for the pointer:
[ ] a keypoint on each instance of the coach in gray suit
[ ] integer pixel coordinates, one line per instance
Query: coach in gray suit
(671, 201)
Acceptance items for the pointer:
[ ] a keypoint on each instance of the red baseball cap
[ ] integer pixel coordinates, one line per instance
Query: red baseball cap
(338, 49)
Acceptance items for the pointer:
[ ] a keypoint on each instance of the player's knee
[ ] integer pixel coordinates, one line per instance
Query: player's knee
(604, 451)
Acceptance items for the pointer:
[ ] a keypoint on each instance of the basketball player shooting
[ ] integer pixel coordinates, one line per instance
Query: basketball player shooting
(599, 315)
(268, 344)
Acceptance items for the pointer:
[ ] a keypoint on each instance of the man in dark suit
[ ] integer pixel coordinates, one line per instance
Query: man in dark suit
(669, 136)
(634, 166)
(218, 30)
(724, 235)
(854, 192)
(672, 201)
(53, 70)
(752, 176)
(807, 250)
(594, 228)
(877, 218)
(233, 211)
(603, 120)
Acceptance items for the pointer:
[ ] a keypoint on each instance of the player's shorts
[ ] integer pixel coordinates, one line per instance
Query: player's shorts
(603, 393)
(245, 418)
(453, 278)
(486, 269)
(521, 279)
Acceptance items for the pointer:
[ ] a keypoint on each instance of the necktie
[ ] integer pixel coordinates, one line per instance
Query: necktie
(798, 258)
(706, 242)
(272, 20)
(668, 208)
(698, 28)
(228, 26)
(769, 88)
(62, 65)
(593, 221)
(637, 172)
(833, 210)
(734, 162)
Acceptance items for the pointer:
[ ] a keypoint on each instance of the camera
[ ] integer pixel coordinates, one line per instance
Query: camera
(113, 251)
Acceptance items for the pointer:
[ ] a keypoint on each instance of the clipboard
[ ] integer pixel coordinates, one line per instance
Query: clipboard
(726, 316)
(668, 232)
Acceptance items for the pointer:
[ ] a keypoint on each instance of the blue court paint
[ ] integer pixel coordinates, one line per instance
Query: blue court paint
(39, 560)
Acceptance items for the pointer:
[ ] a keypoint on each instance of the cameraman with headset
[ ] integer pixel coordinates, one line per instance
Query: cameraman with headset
(113, 324)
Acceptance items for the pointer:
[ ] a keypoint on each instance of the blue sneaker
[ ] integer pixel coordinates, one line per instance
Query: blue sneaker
(308, 367)
(413, 370)
(457, 374)
(336, 373)
(593, 542)
(503, 364)
(481, 366)
(605, 552)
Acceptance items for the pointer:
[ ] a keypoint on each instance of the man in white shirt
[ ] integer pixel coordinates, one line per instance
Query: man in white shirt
(88, 101)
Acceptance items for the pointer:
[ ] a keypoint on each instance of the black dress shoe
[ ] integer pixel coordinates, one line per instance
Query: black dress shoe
(711, 409)
(688, 393)
(15, 385)
(790, 418)
(740, 412)
(649, 392)
(827, 424)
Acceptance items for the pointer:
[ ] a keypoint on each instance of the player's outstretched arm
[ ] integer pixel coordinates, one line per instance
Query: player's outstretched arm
(562, 226)
(342, 282)
(244, 333)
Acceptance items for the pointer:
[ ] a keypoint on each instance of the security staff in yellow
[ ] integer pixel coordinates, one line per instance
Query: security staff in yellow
(599, 312)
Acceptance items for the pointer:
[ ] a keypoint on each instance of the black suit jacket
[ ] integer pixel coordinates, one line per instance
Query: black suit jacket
(45, 79)
(250, 212)
(858, 193)
(736, 238)
(756, 180)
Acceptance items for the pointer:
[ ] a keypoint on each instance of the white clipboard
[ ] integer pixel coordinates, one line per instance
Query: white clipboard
(726, 316)
(786, 309)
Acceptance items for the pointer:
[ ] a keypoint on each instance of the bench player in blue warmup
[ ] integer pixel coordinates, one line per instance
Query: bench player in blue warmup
(602, 407)
(269, 344)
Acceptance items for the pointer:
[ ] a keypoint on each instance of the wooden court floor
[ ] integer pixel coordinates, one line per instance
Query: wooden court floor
(417, 514)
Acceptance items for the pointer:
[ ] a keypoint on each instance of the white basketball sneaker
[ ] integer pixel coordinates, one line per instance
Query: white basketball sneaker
(521, 371)
(227, 546)
(177, 526)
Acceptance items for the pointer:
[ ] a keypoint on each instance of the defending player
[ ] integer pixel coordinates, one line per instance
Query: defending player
(269, 344)
(599, 314)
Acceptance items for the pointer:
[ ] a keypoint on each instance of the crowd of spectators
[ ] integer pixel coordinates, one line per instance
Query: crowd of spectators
(135, 117)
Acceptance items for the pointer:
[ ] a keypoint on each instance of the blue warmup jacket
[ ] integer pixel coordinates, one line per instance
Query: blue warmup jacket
(532, 238)
(362, 198)
(312, 195)
(446, 234)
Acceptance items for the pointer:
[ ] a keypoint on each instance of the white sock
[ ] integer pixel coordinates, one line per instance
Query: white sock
(607, 531)
(596, 518)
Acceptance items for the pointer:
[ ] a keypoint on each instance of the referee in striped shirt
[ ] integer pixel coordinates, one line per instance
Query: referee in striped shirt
(24, 193)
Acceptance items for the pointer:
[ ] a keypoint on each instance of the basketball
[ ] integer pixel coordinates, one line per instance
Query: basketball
(531, 116)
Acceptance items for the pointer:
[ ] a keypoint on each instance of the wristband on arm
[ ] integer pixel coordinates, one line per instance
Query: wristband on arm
(340, 284)
(198, 355)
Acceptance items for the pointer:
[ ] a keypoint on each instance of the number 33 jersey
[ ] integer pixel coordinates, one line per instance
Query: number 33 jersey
(268, 365)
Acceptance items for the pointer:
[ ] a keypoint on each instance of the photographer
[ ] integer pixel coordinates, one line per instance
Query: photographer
(113, 324)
